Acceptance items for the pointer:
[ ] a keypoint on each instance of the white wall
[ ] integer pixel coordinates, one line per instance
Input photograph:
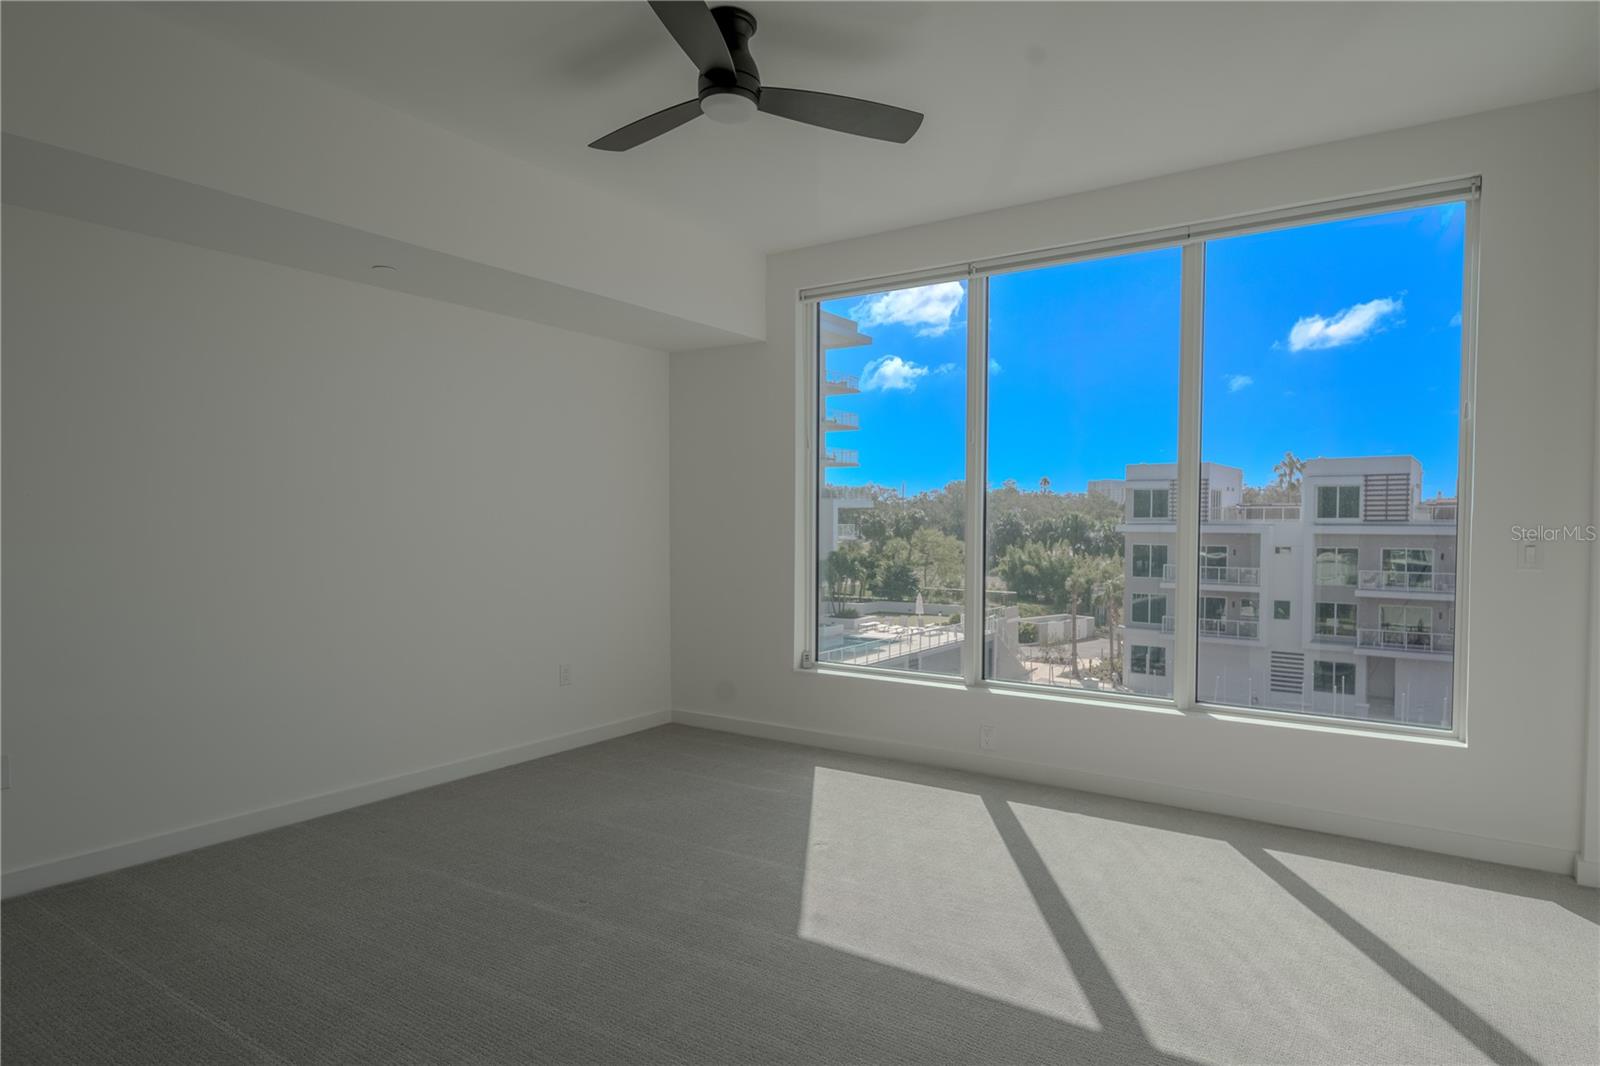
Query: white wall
(269, 535)
(1513, 793)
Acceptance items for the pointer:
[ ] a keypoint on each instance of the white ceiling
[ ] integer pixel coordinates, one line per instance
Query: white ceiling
(1024, 101)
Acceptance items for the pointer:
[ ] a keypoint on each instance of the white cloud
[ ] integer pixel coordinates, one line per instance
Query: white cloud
(945, 368)
(1343, 327)
(1455, 319)
(994, 366)
(929, 308)
(890, 372)
(1240, 381)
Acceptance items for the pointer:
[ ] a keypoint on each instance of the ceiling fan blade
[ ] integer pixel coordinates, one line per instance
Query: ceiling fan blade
(695, 28)
(651, 126)
(864, 118)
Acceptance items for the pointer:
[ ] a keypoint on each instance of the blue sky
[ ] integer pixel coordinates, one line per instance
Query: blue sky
(1337, 339)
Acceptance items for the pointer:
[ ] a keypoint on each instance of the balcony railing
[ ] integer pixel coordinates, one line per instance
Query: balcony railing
(1226, 628)
(1268, 512)
(1408, 581)
(841, 457)
(1435, 512)
(1430, 641)
(841, 420)
(1218, 575)
(841, 384)
(847, 531)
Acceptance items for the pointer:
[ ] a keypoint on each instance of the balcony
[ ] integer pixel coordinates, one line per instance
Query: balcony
(1271, 512)
(1231, 576)
(837, 457)
(835, 421)
(1435, 511)
(1419, 641)
(1219, 628)
(847, 531)
(843, 385)
(1408, 582)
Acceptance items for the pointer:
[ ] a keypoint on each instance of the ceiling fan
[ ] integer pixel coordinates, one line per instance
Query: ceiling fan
(717, 40)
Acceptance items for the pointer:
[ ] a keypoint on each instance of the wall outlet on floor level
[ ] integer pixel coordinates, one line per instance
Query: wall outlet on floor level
(564, 674)
(986, 738)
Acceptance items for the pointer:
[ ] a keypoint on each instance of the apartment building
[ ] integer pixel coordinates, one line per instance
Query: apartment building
(836, 501)
(1340, 600)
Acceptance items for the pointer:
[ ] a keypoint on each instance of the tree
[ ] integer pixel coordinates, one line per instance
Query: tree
(1289, 470)
(840, 569)
(1044, 484)
(897, 581)
(1008, 531)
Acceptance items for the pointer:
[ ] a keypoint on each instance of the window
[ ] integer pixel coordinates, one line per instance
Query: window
(891, 513)
(1339, 340)
(1337, 566)
(1336, 620)
(1148, 659)
(1148, 609)
(1407, 568)
(1150, 503)
(1339, 501)
(1333, 677)
(1073, 349)
(1149, 560)
(959, 427)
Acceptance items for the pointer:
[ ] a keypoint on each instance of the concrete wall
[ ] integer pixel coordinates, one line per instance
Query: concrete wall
(1513, 792)
(276, 543)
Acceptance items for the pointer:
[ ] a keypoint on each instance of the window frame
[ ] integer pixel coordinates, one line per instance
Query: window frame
(1183, 510)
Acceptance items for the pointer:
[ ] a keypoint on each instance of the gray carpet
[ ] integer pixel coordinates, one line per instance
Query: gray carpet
(694, 897)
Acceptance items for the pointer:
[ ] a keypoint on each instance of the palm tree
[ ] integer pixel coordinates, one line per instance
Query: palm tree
(1289, 470)
(1044, 484)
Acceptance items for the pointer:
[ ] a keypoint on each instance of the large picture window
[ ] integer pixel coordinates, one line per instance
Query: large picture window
(1094, 471)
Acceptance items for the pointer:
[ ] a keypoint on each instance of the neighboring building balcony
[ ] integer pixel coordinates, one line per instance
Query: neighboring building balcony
(1227, 576)
(843, 385)
(1435, 511)
(1219, 628)
(1403, 583)
(837, 457)
(1403, 641)
(835, 421)
(846, 531)
(1268, 512)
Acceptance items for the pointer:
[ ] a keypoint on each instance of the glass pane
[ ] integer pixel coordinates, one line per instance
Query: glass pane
(891, 510)
(1340, 341)
(1083, 444)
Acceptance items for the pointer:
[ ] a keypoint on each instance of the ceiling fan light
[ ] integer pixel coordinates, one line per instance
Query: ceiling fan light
(729, 107)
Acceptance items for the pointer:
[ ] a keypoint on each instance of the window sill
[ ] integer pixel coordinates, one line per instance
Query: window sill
(1296, 720)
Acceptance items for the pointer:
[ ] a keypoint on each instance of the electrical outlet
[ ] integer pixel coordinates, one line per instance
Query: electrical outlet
(986, 738)
(564, 674)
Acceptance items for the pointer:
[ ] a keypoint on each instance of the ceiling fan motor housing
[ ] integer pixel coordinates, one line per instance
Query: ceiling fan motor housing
(737, 26)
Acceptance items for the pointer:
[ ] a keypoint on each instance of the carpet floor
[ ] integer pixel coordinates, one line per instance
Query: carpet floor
(684, 896)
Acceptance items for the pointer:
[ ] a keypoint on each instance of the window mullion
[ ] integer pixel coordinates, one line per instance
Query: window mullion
(972, 617)
(1186, 596)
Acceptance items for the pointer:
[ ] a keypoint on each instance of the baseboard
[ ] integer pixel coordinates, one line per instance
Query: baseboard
(1423, 838)
(161, 845)
(1586, 872)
